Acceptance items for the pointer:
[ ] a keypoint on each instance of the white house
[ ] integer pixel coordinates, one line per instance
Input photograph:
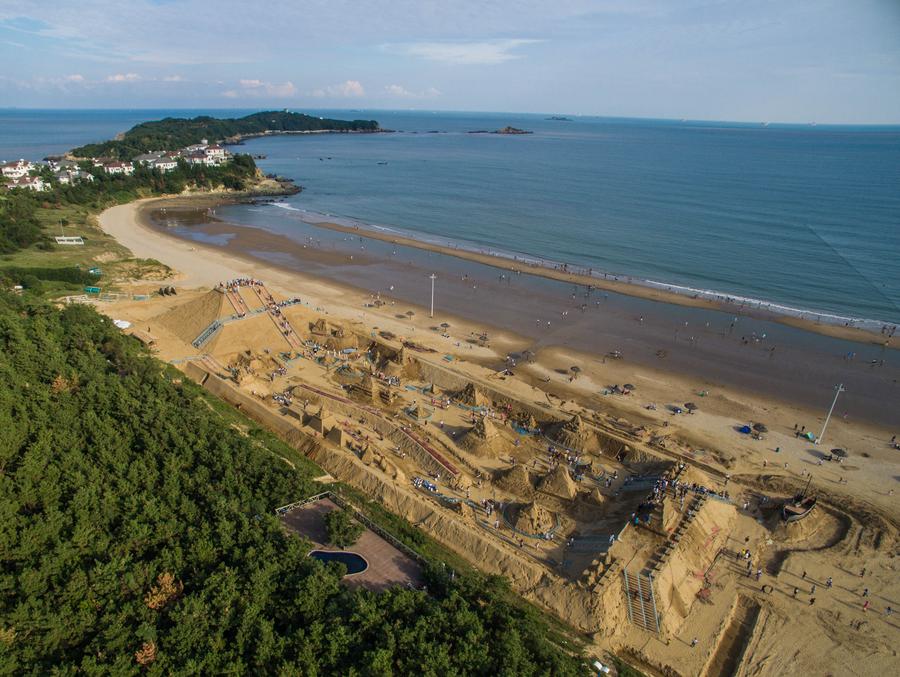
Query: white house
(28, 183)
(164, 164)
(149, 158)
(118, 167)
(17, 169)
(63, 178)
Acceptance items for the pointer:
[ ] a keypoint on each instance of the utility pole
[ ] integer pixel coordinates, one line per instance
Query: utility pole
(432, 277)
(838, 389)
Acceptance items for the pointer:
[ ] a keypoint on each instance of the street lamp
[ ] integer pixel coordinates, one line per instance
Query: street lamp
(432, 277)
(838, 389)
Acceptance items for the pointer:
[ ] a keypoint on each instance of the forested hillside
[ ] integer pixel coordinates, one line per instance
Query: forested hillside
(175, 133)
(137, 535)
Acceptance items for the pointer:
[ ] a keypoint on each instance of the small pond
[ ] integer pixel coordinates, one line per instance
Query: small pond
(355, 563)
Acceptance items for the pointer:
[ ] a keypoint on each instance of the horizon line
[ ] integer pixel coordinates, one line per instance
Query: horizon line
(810, 123)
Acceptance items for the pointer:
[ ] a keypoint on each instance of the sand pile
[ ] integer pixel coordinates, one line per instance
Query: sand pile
(188, 320)
(573, 434)
(533, 519)
(473, 397)
(638, 457)
(596, 497)
(558, 482)
(516, 480)
(319, 328)
(484, 438)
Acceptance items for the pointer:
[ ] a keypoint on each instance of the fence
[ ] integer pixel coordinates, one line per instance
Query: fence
(344, 503)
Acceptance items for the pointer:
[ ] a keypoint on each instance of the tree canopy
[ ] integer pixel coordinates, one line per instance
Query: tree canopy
(137, 535)
(342, 530)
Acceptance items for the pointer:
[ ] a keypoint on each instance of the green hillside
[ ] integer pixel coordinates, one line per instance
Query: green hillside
(137, 535)
(175, 133)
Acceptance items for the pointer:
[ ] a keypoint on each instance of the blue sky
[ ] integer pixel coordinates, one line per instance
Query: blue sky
(784, 60)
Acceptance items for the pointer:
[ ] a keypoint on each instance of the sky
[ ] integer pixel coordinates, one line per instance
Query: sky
(828, 61)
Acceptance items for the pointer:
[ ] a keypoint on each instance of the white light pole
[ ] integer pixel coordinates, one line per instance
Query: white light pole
(838, 389)
(432, 277)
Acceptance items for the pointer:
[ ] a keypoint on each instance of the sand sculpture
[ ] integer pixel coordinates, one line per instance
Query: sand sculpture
(559, 483)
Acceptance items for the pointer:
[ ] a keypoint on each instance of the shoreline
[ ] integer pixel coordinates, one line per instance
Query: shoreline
(644, 289)
(719, 363)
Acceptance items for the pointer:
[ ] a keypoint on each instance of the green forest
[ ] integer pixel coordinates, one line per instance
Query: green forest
(175, 133)
(137, 535)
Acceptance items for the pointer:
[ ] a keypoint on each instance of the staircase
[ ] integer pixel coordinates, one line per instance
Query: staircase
(640, 600)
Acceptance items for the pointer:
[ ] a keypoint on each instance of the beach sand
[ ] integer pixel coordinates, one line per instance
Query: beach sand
(712, 428)
(839, 539)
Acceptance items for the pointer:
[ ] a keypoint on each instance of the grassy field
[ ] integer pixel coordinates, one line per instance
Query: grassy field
(100, 250)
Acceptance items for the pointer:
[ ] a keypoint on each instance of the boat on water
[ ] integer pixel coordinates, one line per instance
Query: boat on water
(797, 508)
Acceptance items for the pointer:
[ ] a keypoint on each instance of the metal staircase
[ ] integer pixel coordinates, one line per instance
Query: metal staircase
(640, 600)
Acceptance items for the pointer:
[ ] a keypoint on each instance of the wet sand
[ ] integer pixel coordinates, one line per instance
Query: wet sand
(622, 285)
(714, 348)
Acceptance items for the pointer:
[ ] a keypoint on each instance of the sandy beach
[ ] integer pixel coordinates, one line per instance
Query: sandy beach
(722, 409)
(581, 586)
(709, 348)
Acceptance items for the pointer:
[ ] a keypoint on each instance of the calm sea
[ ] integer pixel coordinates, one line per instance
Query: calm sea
(807, 217)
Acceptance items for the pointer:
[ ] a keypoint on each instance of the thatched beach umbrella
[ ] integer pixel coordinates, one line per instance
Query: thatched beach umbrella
(410, 313)
(691, 407)
(839, 452)
(629, 386)
(444, 325)
(760, 428)
(575, 371)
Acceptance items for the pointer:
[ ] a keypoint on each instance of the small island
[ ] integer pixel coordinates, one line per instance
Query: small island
(559, 118)
(505, 130)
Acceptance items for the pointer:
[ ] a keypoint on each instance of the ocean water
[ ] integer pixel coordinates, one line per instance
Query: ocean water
(805, 217)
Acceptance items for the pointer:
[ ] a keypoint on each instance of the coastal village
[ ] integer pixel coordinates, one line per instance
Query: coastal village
(43, 176)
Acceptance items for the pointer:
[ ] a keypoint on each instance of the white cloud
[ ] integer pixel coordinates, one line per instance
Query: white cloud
(347, 89)
(261, 88)
(402, 92)
(75, 77)
(123, 77)
(173, 78)
(485, 52)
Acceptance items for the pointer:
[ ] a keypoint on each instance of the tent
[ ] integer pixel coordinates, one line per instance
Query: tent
(745, 430)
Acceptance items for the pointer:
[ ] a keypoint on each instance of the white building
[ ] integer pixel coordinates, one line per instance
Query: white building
(17, 169)
(28, 183)
(164, 164)
(118, 167)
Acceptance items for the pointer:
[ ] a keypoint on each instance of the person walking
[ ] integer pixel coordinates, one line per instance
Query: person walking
(812, 600)
(866, 605)
(865, 592)
(829, 582)
(796, 590)
(694, 642)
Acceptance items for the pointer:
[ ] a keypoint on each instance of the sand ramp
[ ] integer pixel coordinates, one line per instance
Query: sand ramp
(189, 319)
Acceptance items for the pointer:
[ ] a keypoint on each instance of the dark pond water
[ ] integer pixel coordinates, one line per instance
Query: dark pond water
(355, 563)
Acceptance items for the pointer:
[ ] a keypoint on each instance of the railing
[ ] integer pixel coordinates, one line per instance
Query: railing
(207, 334)
(344, 503)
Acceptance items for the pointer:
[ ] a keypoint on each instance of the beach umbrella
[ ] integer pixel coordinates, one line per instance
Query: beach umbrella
(629, 386)
(760, 428)
(839, 452)
(690, 406)
(445, 325)
(410, 313)
(575, 370)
